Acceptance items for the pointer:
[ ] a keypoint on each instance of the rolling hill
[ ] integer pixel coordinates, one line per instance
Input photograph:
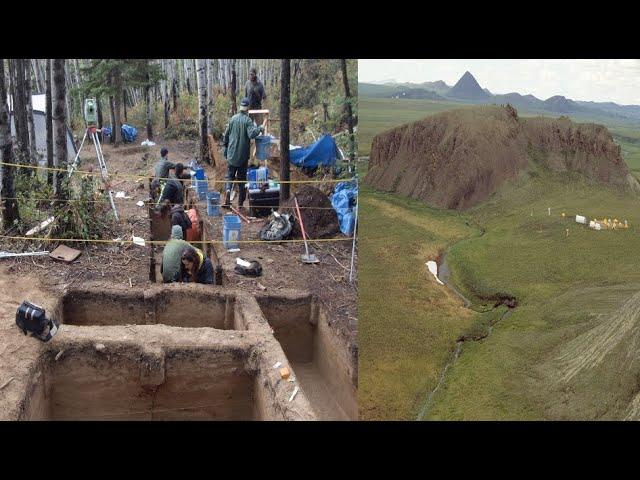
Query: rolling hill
(468, 90)
(457, 159)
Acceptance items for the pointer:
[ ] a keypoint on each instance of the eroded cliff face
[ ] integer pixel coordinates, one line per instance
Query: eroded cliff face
(457, 159)
(585, 148)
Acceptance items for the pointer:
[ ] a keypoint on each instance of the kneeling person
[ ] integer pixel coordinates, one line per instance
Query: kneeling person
(172, 256)
(195, 267)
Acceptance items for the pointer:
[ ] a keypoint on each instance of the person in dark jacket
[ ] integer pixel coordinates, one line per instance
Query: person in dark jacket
(254, 91)
(180, 218)
(173, 189)
(163, 166)
(161, 173)
(195, 267)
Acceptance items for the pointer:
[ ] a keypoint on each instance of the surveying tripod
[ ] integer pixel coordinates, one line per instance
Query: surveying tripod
(92, 132)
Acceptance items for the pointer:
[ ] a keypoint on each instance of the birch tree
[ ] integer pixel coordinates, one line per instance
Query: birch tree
(20, 110)
(285, 78)
(33, 155)
(9, 204)
(59, 92)
(210, 96)
(147, 99)
(49, 121)
(202, 109)
(347, 94)
(234, 93)
(38, 75)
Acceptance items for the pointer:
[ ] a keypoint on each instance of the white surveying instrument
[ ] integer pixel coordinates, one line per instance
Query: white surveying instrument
(91, 118)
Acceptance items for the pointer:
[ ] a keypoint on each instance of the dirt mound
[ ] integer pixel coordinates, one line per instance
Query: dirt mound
(457, 159)
(318, 222)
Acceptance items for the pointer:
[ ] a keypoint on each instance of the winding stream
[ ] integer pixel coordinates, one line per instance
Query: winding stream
(444, 275)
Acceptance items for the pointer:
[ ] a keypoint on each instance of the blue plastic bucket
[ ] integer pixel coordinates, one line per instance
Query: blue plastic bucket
(202, 187)
(213, 204)
(262, 146)
(231, 231)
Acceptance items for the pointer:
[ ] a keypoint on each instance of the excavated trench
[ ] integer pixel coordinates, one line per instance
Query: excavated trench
(322, 367)
(190, 352)
(181, 384)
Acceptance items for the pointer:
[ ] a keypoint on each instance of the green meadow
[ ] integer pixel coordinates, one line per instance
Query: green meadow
(571, 283)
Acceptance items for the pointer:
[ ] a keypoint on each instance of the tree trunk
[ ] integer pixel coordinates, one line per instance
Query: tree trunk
(33, 153)
(117, 107)
(210, 104)
(147, 99)
(187, 63)
(202, 109)
(285, 78)
(221, 75)
(59, 92)
(234, 94)
(124, 104)
(175, 95)
(69, 104)
(38, 75)
(8, 203)
(100, 117)
(112, 116)
(166, 105)
(20, 111)
(49, 123)
(347, 94)
(76, 71)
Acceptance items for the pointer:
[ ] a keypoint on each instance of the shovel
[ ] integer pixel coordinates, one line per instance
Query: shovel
(305, 257)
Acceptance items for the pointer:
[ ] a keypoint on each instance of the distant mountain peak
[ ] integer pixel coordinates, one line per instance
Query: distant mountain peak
(468, 88)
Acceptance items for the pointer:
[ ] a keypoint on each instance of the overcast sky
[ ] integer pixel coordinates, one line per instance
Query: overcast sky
(596, 80)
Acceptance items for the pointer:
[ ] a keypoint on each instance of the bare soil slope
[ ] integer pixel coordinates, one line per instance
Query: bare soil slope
(457, 159)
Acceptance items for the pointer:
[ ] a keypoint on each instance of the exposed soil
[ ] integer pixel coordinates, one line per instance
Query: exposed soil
(318, 223)
(459, 158)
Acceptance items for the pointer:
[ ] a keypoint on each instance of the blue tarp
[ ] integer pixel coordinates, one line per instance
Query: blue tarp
(343, 200)
(129, 133)
(322, 152)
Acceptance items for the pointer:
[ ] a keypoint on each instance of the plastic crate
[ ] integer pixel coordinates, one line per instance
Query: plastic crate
(231, 231)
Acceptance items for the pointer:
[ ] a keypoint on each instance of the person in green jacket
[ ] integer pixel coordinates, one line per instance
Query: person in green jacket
(171, 256)
(237, 137)
(161, 172)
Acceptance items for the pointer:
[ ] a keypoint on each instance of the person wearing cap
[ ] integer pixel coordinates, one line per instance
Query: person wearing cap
(171, 256)
(254, 91)
(161, 172)
(237, 138)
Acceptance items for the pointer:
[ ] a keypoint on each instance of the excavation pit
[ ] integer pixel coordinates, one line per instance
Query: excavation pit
(125, 382)
(189, 352)
(320, 364)
(176, 305)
